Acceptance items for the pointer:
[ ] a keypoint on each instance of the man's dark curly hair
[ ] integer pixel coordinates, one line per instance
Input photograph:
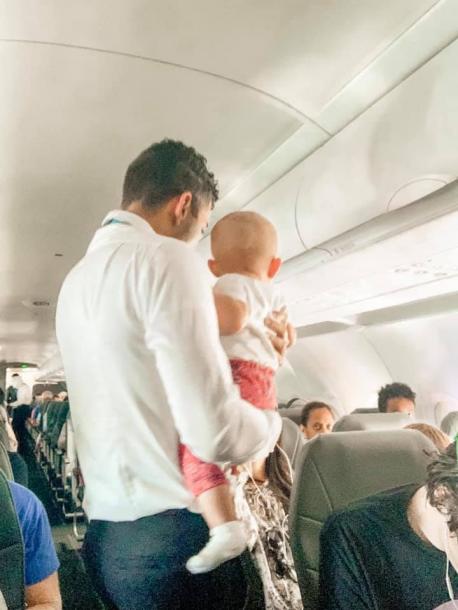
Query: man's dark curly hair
(442, 485)
(394, 390)
(165, 170)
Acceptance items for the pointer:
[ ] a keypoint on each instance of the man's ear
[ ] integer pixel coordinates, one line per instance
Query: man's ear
(274, 267)
(213, 266)
(181, 207)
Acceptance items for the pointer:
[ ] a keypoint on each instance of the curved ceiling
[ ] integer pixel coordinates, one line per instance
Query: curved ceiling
(255, 86)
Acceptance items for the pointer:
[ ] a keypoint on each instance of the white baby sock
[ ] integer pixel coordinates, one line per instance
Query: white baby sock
(227, 541)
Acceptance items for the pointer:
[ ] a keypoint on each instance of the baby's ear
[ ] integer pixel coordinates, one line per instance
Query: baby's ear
(274, 267)
(213, 266)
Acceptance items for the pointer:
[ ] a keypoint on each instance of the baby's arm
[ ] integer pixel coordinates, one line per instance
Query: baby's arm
(232, 314)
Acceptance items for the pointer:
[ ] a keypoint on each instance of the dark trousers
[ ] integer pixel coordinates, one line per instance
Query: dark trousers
(140, 565)
(21, 414)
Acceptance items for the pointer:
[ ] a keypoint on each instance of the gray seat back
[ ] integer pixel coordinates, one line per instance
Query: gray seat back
(365, 410)
(293, 412)
(11, 551)
(5, 464)
(372, 421)
(292, 440)
(334, 470)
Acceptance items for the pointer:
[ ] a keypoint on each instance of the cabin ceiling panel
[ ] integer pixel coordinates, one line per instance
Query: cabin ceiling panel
(303, 53)
(70, 125)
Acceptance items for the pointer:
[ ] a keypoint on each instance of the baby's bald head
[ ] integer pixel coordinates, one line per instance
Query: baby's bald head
(244, 242)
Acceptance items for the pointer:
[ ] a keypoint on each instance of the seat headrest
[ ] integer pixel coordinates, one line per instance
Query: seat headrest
(292, 413)
(364, 410)
(372, 421)
(334, 470)
(292, 440)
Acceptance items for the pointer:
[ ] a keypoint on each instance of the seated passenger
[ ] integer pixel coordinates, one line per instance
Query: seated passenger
(244, 247)
(40, 560)
(441, 440)
(393, 551)
(317, 418)
(449, 425)
(396, 398)
(262, 498)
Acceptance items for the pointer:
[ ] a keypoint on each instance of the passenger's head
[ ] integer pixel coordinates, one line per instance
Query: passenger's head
(63, 395)
(442, 486)
(170, 186)
(449, 424)
(317, 418)
(244, 242)
(46, 396)
(396, 398)
(440, 440)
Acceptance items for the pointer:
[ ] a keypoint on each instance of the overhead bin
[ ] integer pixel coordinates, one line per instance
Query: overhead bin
(400, 149)
(408, 135)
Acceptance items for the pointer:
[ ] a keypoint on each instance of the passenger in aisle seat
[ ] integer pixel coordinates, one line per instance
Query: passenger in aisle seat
(137, 329)
(244, 249)
(317, 418)
(262, 498)
(396, 398)
(40, 559)
(439, 438)
(397, 550)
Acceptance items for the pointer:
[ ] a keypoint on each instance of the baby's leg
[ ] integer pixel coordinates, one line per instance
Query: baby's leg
(228, 537)
(217, 505)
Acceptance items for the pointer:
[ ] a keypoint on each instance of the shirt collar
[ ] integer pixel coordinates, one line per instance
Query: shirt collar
(128, 218)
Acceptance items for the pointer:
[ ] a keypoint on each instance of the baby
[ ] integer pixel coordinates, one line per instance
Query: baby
(244, 250)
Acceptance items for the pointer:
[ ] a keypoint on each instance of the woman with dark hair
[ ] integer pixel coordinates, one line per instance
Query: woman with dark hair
(262, 497)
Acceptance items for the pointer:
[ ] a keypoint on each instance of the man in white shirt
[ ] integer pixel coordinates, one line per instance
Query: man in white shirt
(21, 410)
(138, 334)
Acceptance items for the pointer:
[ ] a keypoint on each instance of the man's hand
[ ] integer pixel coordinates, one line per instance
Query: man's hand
(283, 334)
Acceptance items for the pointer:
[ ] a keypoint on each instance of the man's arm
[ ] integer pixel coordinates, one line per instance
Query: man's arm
(182, 332)
(44, 595)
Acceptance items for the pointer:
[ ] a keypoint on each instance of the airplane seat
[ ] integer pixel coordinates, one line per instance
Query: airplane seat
(372, 421)
(51, 416)
(11, 551)
(59, 421)
(365, 410)
(4, 438)
(292, 440)
(5, 464)
(334, 470)
(292, 409)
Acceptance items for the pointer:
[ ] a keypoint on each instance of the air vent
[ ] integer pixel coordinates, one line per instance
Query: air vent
(36, 303)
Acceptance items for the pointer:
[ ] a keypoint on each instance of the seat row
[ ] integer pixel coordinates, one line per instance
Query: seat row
(55, 450)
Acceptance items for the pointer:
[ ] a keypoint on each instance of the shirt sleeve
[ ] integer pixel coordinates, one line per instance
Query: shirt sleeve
(343, 580)
(182, 332)
(40, 555)
(232, 286)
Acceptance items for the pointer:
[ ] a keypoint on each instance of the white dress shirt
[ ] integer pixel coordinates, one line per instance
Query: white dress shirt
(252, 342)
(138, 334)
(23, 396)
